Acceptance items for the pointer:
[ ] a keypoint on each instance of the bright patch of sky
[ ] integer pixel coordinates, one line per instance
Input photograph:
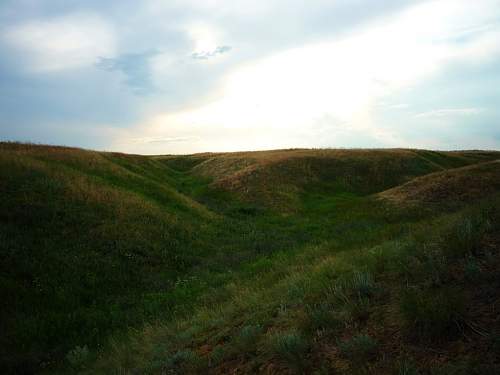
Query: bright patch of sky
(192, 76)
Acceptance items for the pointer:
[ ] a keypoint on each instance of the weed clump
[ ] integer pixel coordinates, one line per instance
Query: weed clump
(182, 361)
(432, 313)
(359, 285)
(290, 348)
(465, 367)
(320, 317)
(217, 356)
(464, 238)
(359, 348)
(247, 338)
(78, 356)
(353, 294)
(472, 270)
(406, 367)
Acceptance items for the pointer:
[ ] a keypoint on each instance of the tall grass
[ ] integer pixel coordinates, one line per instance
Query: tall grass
(291, 349)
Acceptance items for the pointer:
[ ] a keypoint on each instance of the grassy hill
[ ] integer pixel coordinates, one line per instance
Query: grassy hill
(287, 261)
(455, 186)
(276, 179)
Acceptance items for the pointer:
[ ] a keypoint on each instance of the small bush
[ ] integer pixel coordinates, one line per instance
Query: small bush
(432, 313)
(247, 338)
(472, 270)
(406, 367)
(291, 348)
(465, 236)
(182, 361)
(425, 264)
(494, 340)
(362, 284)
(358, 285)
(320, 317)
(465, 368)
(358, 310)
(78, 356)
(217, 356)
(359, 348)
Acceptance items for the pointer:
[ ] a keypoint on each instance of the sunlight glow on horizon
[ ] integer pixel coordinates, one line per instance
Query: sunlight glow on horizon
(282, 96)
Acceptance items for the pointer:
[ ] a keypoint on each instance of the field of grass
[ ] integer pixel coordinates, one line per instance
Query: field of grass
(288, 261)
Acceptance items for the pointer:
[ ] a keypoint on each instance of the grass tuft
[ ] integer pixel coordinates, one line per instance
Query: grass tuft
(247, 338)
(291, 349)
(360, 348)
(432, 313)
(182, 362)
(320, 317)
(78, 356)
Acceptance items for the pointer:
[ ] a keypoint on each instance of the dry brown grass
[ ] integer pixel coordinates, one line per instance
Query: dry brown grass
(83, 172)
(464, 184)
(276, 178)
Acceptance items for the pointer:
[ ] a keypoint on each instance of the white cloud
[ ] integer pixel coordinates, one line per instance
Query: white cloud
(204, 36)
(160, 139)
(275, 101)
(62, 43)
(447, 112)
(205, 55)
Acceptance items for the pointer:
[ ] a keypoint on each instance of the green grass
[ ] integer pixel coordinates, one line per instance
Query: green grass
(290, 348)
(150, 265)
(432, 313)
(360, 348)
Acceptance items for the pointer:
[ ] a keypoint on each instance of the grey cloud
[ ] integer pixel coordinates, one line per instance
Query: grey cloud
(135, 67)
(163, 139)
(204, 55)
(446, 112)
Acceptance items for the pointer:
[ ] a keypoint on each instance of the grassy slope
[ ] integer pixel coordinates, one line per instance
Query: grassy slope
(277, 179)
(453, 186)
(86, 240)
(94, 242)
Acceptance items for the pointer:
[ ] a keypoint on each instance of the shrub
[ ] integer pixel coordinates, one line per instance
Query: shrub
(465, 368)
(291, 348)
(247, 338)
(358, 285)
(465, 236)
(362, 284)
(182, 361)
(424, 263)
(78, 356)
(406, 367)
(432, 313)
(353, 293)
(472, 270)
(359, 348)
(217, 356)
(358, 309)
(320, 317)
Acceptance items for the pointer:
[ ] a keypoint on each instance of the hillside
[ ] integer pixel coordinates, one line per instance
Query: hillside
(276, 179)
(455, 186)
(287, 261)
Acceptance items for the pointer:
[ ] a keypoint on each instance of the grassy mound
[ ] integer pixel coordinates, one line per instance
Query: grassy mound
(275, 179)
(451, 187)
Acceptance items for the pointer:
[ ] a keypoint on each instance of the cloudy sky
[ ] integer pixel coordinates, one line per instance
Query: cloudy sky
(184, 76)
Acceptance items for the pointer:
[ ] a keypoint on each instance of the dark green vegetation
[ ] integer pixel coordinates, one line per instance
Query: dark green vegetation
(326, 261)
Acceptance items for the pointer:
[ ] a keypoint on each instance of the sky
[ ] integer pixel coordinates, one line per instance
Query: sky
(187, 76)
